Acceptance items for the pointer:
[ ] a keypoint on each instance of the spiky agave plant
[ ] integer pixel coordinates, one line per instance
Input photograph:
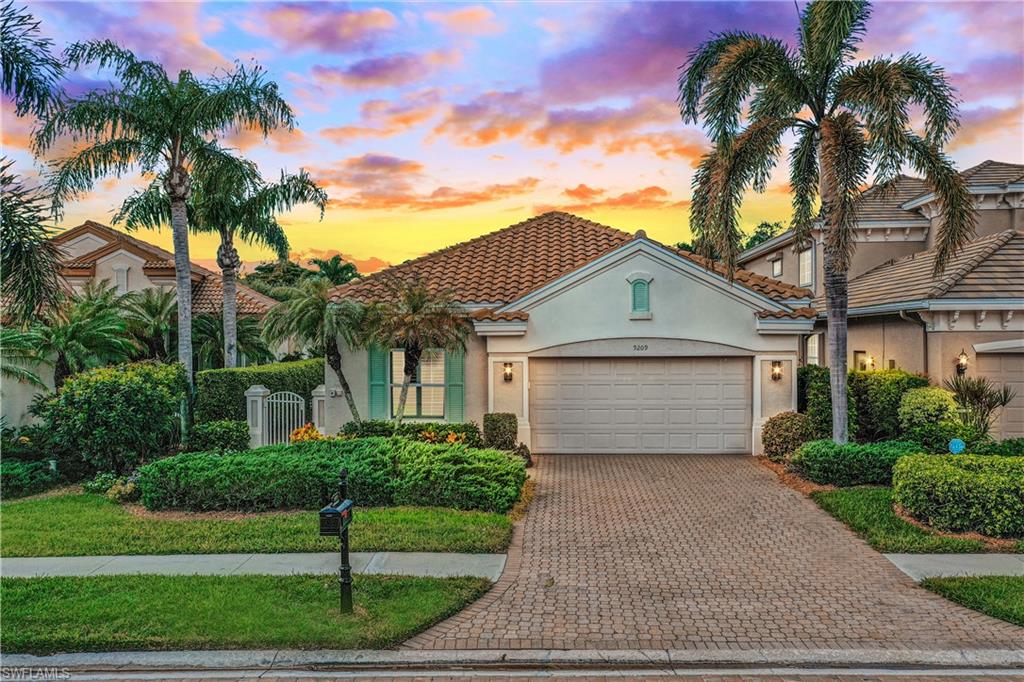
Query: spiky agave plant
(848, 118)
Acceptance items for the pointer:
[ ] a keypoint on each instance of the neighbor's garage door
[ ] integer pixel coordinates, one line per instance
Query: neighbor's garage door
(1008, 369)
(649, 405)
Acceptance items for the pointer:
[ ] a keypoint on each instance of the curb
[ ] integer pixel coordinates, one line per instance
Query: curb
(153, 661)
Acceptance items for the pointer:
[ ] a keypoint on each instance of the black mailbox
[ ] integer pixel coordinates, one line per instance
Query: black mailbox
(335, 518)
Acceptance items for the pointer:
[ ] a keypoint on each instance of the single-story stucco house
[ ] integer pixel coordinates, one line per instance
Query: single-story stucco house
(902, 316)
(600, 341)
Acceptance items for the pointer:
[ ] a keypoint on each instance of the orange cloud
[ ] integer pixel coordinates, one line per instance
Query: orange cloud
(476, 20)
(570, 129)
(319, 26)
(382, 118)
(15, 132)
(587, 198)
(388, 71)
(987, 122)
(440, 198)
(282, 140)
(665, 145)
(490, 118)
(363, 265)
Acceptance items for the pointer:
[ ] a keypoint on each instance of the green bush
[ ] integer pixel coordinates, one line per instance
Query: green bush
(1011, 447)
(784, 433)
(220, 393)
(27, 444)
(818, 401)
(963, 493)
(458, 477)
(221, 434)
(100, 484)
(299, 476)
(116, 417)
(19, 478)
(804, 377)
(928, 416)
(466, 433)
(824, 462)
(382, 471)
(877, 395)
(501, 430)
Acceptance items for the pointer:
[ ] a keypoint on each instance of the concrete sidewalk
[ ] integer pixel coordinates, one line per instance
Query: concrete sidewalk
(921, 566)
(430, 564)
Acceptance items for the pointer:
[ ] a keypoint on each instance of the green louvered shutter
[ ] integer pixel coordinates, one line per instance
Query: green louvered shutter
(455, 387)
(641, 297)
(378, 364)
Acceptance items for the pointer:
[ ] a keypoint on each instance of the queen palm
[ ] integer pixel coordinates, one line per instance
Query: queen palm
(307, 315)
(208, 331)
(848, 119)
(231, 199)
(335, 269)
(18, 357)
(158, 125)
(415, 318)
(30, 71)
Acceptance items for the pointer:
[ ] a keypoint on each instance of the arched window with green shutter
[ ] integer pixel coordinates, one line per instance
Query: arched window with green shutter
(641, 296)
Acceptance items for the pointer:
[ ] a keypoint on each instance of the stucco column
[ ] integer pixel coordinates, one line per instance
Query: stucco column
(256, 413)
(319, 416)
(774, 391)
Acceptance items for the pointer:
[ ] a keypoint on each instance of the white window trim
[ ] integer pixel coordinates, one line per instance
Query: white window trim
(121, 278)
(816, 359)
(808, 283)
(777, 263)
(393, 384)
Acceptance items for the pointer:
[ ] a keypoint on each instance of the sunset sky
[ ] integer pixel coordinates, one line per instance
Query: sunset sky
(433, 123)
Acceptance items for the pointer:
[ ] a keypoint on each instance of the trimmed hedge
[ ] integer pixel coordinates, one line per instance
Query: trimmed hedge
(222, 434)
(1011, 447)
(220, 393)
(928, 416)
(826, 463)
(382, 471)
(18, 478)
(114, 418)
(817, 385)
(981, 493)
(501, 430)
(877, 395)
(784, 433)
(465, 433)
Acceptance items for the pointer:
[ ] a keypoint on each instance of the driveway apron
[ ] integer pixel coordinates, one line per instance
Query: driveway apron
(709, 551)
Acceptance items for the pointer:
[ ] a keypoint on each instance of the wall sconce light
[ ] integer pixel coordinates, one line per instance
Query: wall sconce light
(961, 362)
(507, 372)
(776, 370)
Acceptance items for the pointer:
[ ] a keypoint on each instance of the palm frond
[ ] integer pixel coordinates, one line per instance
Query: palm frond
(959, 217)
(17, 356)
(845, 161)
(129, 69)
(78, 172)
(148, 208)
(829, 35)
(31, 74)
(803, 182)
(245, 98)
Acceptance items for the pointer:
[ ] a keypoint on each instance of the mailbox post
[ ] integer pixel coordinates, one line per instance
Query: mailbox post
(334, 521)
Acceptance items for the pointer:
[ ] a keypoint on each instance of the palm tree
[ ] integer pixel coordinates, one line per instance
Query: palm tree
(209, 338)
(17, 354)
(160, 126)
(335, 269)
(415, 319)
(307, 315)
(847, 117)
(29, 261)
(151, 315)
(30, 71)
(87, 331)
(231, 199)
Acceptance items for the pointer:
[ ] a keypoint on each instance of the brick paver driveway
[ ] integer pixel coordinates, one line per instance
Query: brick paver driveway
(697, 552)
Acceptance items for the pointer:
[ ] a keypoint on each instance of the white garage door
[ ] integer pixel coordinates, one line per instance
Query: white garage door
(649, 405)
(1008, 369)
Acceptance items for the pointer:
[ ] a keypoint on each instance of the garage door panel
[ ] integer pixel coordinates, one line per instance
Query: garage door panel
(1006, 369)
(672, 405)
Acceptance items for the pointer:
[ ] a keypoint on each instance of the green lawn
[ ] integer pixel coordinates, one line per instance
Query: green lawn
(109, 613)
(868, 512)
(998, 596)
(82, 525)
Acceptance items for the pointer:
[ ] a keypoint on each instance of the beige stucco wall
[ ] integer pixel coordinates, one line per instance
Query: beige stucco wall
(776, 396)
(884, 337)
(15, 396)
(508, 396)
(992, 218)
(945, 346)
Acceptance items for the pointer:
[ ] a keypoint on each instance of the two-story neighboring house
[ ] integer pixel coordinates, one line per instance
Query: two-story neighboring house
(96, 252)
(970, 319)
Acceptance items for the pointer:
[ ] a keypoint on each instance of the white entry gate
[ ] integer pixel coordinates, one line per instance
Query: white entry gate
(285, 412)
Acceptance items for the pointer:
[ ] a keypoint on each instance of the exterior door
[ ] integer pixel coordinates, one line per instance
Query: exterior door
(1006, 369)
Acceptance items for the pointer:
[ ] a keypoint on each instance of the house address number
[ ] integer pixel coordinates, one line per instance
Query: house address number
(639, 347)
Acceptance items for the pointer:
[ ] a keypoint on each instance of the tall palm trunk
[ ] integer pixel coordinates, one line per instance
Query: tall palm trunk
(177, 190)
(836, 301)
(228, 261)
(334, 360)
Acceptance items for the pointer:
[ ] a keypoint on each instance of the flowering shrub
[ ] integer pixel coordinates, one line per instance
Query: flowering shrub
(784, 433)
(306, 432)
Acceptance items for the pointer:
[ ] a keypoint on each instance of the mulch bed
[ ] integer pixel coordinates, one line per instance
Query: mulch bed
(794, 481)
(995, 544)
